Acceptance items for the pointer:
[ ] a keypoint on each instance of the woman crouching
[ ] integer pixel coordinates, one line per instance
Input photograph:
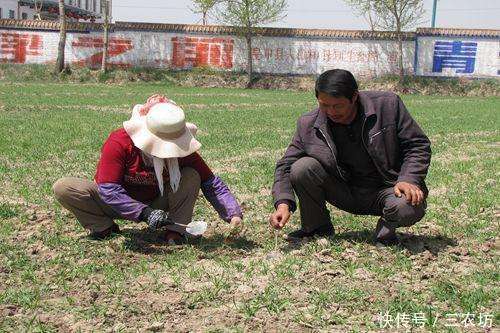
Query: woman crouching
(150, 171)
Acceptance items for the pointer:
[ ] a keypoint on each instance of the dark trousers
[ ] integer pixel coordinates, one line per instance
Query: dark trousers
(315, 187)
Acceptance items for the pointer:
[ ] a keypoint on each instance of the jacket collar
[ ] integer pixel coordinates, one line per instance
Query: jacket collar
(321, 120)
(366, 104)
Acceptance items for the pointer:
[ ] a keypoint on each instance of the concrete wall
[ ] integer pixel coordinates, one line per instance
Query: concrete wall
(440, 56)
(303, 56)
(184, 51)
(458, 56)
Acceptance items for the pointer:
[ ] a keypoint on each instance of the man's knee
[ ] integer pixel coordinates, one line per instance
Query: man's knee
(305, 170)
(401, 213)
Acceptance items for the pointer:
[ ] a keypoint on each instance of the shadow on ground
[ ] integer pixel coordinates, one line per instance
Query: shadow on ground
(144, 241)
(413, 243)
(149, 242)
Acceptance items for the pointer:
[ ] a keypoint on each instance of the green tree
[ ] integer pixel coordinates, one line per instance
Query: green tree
(394, 15)
(245, 16)
(365, 8)
(203, 7)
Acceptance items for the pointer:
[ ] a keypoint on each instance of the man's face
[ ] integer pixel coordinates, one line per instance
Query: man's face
(339, 109)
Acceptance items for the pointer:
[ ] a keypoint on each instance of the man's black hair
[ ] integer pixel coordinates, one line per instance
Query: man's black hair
(337, 83)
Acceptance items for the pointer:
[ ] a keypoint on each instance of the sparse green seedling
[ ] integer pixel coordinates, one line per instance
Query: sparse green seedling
(53, 278)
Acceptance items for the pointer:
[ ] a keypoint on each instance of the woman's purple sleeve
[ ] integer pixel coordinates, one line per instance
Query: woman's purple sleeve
(219, 196)
(115, 196)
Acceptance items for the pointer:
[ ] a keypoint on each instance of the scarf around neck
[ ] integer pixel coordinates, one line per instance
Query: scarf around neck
(158, 165)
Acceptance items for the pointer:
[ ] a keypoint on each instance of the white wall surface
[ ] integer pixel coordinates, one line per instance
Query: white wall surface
(445, 56)
(270, 54)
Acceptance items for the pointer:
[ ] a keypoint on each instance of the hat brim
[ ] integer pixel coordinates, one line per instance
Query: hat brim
(146, 141)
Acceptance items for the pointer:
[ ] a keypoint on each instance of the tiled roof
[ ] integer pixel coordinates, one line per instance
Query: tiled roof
(204, 29)
(48, 25)
(278, 32)
(458, 32)
(227, 30)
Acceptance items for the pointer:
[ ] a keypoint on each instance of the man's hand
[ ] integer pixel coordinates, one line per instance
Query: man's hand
(235, 226)
(280, 217)
(157, 219)
(413, 193)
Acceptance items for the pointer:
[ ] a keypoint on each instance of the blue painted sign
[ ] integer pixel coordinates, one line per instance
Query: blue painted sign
(457, 55)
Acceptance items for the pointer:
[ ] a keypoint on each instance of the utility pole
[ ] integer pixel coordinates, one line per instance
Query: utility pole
(434, 6)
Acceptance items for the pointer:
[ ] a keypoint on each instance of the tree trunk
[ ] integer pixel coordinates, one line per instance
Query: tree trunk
(249, 59)
(106, 37)
(38, 8)
(370, 17)
(370, 20)
(400, 56)
(62, 39)
(204, 18)
(396, 12)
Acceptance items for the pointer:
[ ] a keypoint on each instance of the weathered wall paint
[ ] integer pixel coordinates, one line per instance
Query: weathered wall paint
(284, 55)
(446, 56)
(302, 56)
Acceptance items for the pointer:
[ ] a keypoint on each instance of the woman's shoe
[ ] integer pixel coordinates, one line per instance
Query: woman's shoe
(174, 238)
(100, 235)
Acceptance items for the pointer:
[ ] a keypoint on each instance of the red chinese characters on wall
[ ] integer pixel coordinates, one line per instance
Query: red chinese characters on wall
(350, 55)
(191, 52)
(17, 47)
(314, 55)
(116, 47)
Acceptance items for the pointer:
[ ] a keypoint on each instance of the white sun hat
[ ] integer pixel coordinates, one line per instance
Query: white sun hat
(163, 132)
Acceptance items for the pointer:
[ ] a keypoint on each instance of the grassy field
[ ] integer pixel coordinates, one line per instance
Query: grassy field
(54, 278)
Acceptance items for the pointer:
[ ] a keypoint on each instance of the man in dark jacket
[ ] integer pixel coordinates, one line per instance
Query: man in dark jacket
(361, 152)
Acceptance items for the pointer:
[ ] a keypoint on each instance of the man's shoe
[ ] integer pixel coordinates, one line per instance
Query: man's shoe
(391, 241)
(323, 231)
(99, 235)
(385, 235)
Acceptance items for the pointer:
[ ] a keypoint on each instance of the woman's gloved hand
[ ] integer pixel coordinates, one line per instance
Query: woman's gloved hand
(155, 218)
